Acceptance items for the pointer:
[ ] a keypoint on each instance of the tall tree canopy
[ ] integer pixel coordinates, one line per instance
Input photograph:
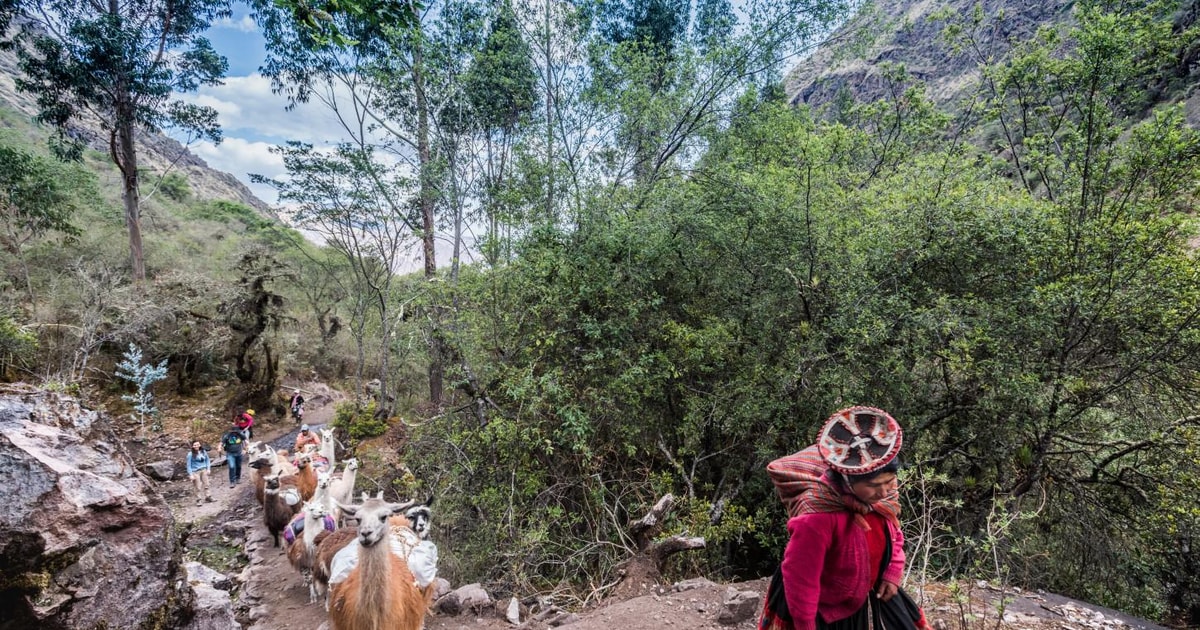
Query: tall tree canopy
(118, 63)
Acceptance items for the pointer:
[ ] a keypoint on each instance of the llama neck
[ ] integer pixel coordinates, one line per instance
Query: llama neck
(374, 570)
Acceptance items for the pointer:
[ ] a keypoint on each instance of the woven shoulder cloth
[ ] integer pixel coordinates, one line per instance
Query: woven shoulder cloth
(805, 486)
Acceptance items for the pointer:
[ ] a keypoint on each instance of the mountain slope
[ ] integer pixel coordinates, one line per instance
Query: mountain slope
(910, 32)
(157, 152)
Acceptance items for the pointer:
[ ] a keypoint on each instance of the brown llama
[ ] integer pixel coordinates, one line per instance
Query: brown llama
(261, 469)
(281, 501)
(305, 479)
(379, 593)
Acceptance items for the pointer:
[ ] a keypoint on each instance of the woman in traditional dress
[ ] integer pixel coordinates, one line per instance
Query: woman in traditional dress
(844, 559)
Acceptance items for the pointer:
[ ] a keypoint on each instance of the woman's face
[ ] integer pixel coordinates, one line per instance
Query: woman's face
(196, 446)
(875, 489)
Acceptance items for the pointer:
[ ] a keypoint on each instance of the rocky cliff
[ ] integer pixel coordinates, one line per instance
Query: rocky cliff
(910, 32)
(85, 541)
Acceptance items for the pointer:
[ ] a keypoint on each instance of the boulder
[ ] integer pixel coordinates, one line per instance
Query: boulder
(738, 606)
(159, 471)
(85, 541)
(470, 597)
(692, 584)
(198, 573)
(441, 587)
(213, 610)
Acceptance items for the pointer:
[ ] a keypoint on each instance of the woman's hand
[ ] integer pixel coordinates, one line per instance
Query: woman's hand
(886, 590)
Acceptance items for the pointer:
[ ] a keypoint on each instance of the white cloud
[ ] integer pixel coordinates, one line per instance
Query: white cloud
(241, 157)
(243, 24)
(246, 106)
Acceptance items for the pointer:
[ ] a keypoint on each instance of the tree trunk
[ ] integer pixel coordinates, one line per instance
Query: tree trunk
(125, 155)
(549, 121)
(426, 196)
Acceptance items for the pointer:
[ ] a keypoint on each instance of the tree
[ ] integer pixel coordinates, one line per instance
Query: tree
(358, 206)
(118, 63)
(38, 196)
(500, 85)
(142, 375)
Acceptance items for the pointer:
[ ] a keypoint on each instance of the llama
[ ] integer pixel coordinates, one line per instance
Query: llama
(328, 446)
(328, 544)
(281, 501)
(342, 490)
(322, 494)
(419, 516)
(380, 591)
(285, 465)
(305, 479)
(313, 520)
(260, 469)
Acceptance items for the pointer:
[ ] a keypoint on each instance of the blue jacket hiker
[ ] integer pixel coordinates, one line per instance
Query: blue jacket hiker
(232, 444)
(198, 466)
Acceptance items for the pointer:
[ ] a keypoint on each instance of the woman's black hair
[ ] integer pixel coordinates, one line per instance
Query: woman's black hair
(891, 467)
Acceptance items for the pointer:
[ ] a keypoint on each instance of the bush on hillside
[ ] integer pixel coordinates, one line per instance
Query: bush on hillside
(359, 421)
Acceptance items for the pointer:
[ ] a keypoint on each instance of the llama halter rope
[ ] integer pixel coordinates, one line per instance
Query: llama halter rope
(860, 440)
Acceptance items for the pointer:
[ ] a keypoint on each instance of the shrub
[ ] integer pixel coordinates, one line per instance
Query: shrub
(359, 421)
(175, 186)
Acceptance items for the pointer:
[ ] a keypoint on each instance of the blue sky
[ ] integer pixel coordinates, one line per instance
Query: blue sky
(252, 118)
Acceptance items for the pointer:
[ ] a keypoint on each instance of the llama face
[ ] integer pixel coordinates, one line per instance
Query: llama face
(352, 464)
(372, 518)
(419, 516)
(315, 510)
(272, 482)
(324, 478)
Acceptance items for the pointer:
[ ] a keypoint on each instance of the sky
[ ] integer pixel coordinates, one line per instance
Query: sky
(252, 118)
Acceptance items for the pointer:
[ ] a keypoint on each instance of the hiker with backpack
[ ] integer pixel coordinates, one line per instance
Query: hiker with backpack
(245, 422)
(844, 559)
(232, 444)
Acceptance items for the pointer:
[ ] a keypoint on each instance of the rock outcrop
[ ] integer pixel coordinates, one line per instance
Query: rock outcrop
(910, 33)
(85, 542)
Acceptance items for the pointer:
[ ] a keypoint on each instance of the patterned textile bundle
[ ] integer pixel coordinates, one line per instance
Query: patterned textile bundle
(805, 485)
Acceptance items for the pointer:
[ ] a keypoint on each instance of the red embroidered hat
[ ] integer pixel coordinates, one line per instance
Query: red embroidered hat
(860, 440)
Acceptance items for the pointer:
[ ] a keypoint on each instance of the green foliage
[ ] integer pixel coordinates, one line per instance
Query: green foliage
(224, 211)
(17, 345)
(119, 63)
(175, 186)
(361, 422)
(500, 82)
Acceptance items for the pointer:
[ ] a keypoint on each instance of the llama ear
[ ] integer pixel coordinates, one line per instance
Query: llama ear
(348, 510)
(401, 508)
(429, 501)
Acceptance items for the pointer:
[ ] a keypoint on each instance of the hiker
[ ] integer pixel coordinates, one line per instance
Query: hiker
(232, 444)
(199, 466)
(297, 407)
(306, 437)
(245, 422)
(844, 559)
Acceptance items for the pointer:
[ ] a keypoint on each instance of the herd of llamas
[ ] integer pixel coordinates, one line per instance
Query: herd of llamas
(377, 573)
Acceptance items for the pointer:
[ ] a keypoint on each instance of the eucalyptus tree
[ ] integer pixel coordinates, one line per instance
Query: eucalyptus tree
(117, 64)
(350, 199)
(669, 72)
(501, 87)
(395, 87)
